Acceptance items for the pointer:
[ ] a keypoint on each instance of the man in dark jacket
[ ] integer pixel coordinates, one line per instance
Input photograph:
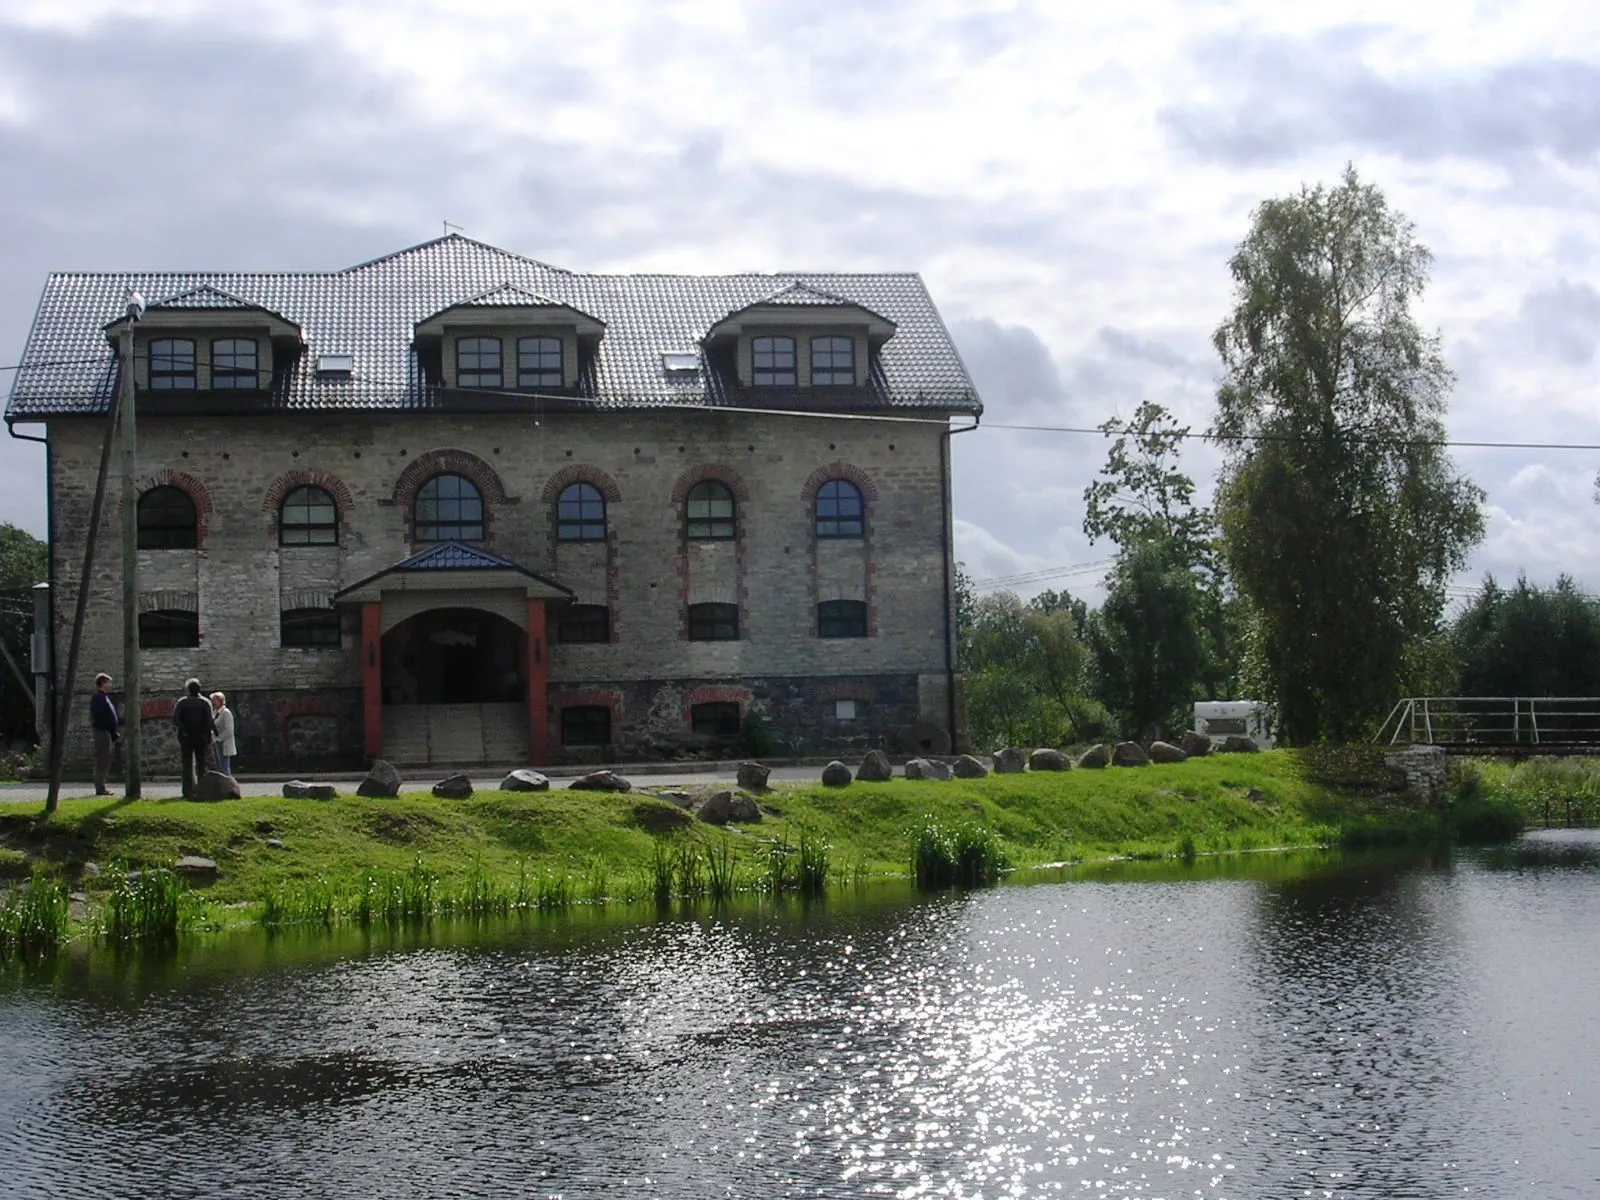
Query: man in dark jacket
(192, 716)
(105, 723)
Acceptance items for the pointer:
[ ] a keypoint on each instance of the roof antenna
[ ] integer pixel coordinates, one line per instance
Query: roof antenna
(449, 225)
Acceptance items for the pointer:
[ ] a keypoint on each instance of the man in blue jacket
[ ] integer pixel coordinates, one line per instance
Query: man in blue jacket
(192, 716)
(106, 723)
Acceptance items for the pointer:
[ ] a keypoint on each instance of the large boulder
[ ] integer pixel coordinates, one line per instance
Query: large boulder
(381, 780)
(836, 774)
(214, 785)
(967, 767)
(600, 781)
(192, 866)
(874, 767)
(1237, 743)
(753, 776)
(1095, 757)
(299, 789)
(1166, 752)
(1045, 759)
(1129, 754)
(1011, 761)
(723, 807)
(1195, 744)
(524, 780)
(455, 787)
(924, 768)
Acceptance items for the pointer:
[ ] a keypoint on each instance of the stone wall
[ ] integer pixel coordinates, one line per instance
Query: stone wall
(239, 578)
(1426, 770)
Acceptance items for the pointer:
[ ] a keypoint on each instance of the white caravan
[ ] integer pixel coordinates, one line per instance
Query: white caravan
(1218, 719)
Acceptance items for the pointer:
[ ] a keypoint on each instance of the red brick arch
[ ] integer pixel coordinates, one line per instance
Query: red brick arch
(839, 470)
(705, 471)
(272, 502)
(579, 473)
(448, 462)
(189, 485)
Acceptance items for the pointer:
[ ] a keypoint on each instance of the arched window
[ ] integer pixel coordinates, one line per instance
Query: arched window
(581, 514)
(168, 627)
(539, 363)
(708, 511)
(308, 517)
(172, 365)
(448, 509)
(772, 362)
(839, 510)
(166, 520)
(234, 364)
(478, 362)
(842, 619)
(713, 622)
(833, 361)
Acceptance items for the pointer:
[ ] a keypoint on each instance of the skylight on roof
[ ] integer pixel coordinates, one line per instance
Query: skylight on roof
(680, 360)
(335, 364)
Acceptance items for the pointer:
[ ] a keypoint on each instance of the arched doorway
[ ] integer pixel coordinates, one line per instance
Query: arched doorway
(455, 656)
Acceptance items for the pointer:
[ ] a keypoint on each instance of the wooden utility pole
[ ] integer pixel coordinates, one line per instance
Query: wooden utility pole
(130, 573)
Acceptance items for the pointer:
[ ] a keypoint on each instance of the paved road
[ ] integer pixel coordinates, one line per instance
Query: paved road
(641, 775)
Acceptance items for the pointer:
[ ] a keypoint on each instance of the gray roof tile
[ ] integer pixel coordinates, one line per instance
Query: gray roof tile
(370, 310)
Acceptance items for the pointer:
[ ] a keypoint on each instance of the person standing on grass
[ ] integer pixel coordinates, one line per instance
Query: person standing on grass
(196, 729)
(106, 723)
(225, 745)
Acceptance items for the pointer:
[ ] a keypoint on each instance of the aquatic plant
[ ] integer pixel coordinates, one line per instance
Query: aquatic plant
(719, 870)
(964, 855)
(33, 916)
(145, 906)
(812, 865)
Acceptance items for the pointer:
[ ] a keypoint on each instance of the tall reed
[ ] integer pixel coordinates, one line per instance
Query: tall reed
(146, 906)
(33, 917)
(720, 871)
(966, 855)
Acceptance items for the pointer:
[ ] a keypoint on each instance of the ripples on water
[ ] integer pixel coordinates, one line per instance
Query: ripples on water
(1363, 1029)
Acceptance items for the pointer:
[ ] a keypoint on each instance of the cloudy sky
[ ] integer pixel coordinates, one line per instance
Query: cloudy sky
(1069, 178)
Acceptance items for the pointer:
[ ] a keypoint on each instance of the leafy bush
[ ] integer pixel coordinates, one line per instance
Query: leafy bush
(1484, 821)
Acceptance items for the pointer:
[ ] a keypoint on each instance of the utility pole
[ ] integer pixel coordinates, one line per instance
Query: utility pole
(130, 567)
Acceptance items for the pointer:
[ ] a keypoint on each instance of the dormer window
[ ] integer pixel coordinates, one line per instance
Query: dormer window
(833, 361)
(478, 362)
(772, 362)
(234, 364)
(539, 363)
(172, 365)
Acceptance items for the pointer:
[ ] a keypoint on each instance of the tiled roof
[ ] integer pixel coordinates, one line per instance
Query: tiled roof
(454, 556)
(370, 311)
(204, 296)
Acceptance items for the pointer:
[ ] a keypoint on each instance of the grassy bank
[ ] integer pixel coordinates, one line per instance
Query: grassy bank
(294, 861)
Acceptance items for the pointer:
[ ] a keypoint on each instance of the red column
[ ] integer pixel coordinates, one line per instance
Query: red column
(538, 687)
(372, 676)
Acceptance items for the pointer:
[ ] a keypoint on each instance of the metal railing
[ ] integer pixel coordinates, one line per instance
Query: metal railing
(1494, 721)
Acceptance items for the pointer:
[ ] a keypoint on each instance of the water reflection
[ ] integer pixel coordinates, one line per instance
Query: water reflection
(1273, 1028)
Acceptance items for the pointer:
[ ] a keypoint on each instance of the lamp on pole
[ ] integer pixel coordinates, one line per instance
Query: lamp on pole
(130, 558)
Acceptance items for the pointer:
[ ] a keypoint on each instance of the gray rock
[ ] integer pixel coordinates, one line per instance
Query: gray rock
(195, 867)
(723, 807)
(967, 767)
(1010, 761)
(1236, 743)
(524, 780)
(923, 768)
(455, 787)
(1129, 754)
(1166, 752)
(214, 785)
(92, 870)
(753, 776)
(673, 796)
(381, 780)
(1046, 759)
(600, 781)
(874, 767)
(299, 789)
(1195, 745)
(836, 774)
(1095, 757)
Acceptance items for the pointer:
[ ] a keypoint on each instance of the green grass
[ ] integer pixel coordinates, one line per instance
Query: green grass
(1542, 791)
(384, 862)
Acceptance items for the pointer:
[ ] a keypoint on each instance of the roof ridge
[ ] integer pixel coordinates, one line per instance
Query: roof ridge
(455, 238)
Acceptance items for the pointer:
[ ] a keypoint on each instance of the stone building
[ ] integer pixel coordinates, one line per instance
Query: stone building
(457, 505)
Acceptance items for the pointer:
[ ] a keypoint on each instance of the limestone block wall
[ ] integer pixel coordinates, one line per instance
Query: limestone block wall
(238, 579)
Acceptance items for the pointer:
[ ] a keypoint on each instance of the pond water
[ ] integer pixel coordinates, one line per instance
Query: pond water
(1263, 1027)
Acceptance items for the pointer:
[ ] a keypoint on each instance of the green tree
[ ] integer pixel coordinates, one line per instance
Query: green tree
(1024, 674)
(1146, 640)
(1528, 641)
(24, 561)
(1051, 601)
(966, 609)
(1140, 494)
(1342, 517)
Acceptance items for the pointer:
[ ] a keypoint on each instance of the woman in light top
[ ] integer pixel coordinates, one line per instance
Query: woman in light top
(226, 748)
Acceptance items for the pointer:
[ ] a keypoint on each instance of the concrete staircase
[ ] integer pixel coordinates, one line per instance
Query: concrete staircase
(422, 735)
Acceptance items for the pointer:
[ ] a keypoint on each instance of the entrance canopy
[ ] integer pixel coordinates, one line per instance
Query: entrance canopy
(452, 567)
